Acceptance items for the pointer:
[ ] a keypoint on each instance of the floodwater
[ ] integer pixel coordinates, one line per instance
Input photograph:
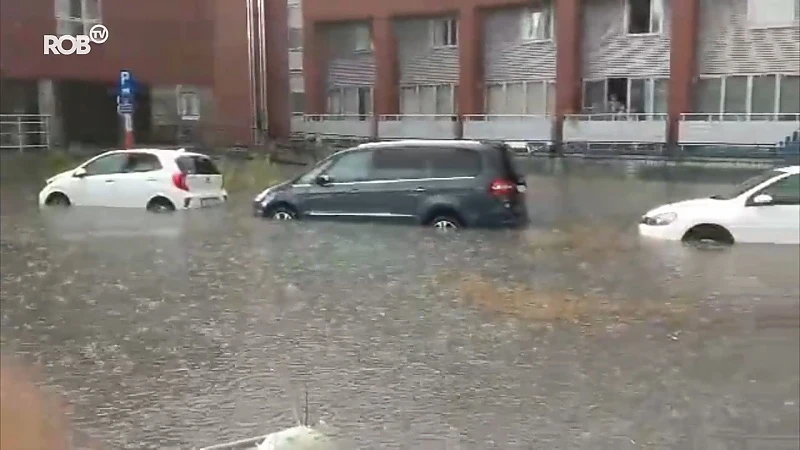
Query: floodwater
(199, 328)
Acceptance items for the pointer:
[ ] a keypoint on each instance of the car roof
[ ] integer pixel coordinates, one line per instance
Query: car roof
(459, 143)
(161, 152)
(789, 169)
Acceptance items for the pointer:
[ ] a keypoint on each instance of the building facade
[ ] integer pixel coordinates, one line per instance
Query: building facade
(202, 68)
(694, 71)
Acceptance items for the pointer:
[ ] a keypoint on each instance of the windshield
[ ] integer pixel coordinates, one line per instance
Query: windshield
(310, 176)
(746, 185)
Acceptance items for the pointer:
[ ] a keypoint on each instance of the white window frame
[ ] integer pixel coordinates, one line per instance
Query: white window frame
(188, 103)
(749, 94)
(788, 20)
(650, 32)
(64, 21)
(362, 39)
(527, 19)
(450, 26)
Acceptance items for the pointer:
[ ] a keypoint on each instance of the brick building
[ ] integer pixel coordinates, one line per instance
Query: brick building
(195, 66)
(657, 61)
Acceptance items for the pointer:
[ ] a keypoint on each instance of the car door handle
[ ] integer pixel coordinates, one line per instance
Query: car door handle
(109, 181)
(419, 189)
(152, 179)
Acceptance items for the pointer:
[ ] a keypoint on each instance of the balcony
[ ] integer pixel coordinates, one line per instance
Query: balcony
(334, 125)
(418, 126)
(750, 129)
(528, 128)
(617, 128)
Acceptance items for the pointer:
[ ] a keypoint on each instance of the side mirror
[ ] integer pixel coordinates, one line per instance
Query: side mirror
(80, 172)
(762, 199)
(323, 180)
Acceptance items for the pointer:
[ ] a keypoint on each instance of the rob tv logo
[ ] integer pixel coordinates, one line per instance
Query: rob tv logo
(80, 44)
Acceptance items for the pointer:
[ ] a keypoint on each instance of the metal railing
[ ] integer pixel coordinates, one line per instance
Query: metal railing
(516, 117)
(23, 132)
(398, 117)
(617, 117)
(741, 117)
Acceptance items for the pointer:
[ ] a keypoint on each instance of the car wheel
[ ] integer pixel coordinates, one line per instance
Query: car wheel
(708, 234)
(58, 199)
(160, 205)
(282, 213)
(445, 223)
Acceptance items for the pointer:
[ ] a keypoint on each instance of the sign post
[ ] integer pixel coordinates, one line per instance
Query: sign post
(125, 105)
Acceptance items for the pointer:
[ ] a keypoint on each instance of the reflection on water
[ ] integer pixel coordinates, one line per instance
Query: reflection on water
(197, 328)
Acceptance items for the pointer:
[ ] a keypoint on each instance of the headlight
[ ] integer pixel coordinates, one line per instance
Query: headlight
(260, 197)
(661, 219)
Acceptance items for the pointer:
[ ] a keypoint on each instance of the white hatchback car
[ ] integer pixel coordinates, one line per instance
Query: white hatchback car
(158, 180)
(763, 209)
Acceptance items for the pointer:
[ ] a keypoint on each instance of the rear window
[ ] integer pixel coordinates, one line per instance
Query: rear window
(453, 162)
(507, 161)
(197, 165)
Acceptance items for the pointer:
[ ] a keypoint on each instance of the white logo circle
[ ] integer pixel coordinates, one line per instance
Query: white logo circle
(98, 33)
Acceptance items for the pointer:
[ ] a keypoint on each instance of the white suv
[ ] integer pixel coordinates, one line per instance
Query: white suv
(158, 180)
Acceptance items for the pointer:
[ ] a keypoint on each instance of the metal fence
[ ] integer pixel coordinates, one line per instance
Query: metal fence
(23, 132)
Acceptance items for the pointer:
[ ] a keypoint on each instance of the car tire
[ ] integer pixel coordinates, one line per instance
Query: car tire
(160, 205)
(57, 199)
(281, 213)
(445, 223)
(708, 234)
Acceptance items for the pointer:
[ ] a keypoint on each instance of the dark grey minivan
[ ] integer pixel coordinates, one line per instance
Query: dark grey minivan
(443, 184)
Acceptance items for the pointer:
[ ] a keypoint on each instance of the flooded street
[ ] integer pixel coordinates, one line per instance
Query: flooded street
(199, 328)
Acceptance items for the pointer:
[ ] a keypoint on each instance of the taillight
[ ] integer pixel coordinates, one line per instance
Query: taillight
(503, 188)
(179, 180)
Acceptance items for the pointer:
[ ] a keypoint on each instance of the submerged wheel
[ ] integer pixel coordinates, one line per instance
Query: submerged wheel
(445, 223)
(709, 234)
(160, 205)
(281, 213)
(57, 199)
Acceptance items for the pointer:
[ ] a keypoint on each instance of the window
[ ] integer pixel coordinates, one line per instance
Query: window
(637, 100)
(537, 24)
(495, 99)
(763, 95)
(444, 99)
(77, 16)
(409, 100)
(644, 16)
(189, 106)
(735, 96)
(660, 95)
(785, 191)
(772, 13)
(310, 176)
(535, 98)
(353, 166)
(298, 102)
(707, 96)
(106, 165)
(515, 98)
(295, 38)
(335, 102)
(551, 97)
(363, 38)
(197, 165)
(594, 96)
(444, 32)
(295, 17)
(141, 162)
(404, 164)
(790, 95)
(453, 162)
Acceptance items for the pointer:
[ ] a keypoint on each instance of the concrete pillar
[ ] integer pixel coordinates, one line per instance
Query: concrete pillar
(48, 105)
(569, 58)
(683, 61)
(470, 56)
(315, 66)
(387, 71)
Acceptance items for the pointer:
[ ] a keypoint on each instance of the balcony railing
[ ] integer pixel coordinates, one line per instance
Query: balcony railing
(23, 132)
(512, 127)
(748, 129)
(619, 127)
(418, 126)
